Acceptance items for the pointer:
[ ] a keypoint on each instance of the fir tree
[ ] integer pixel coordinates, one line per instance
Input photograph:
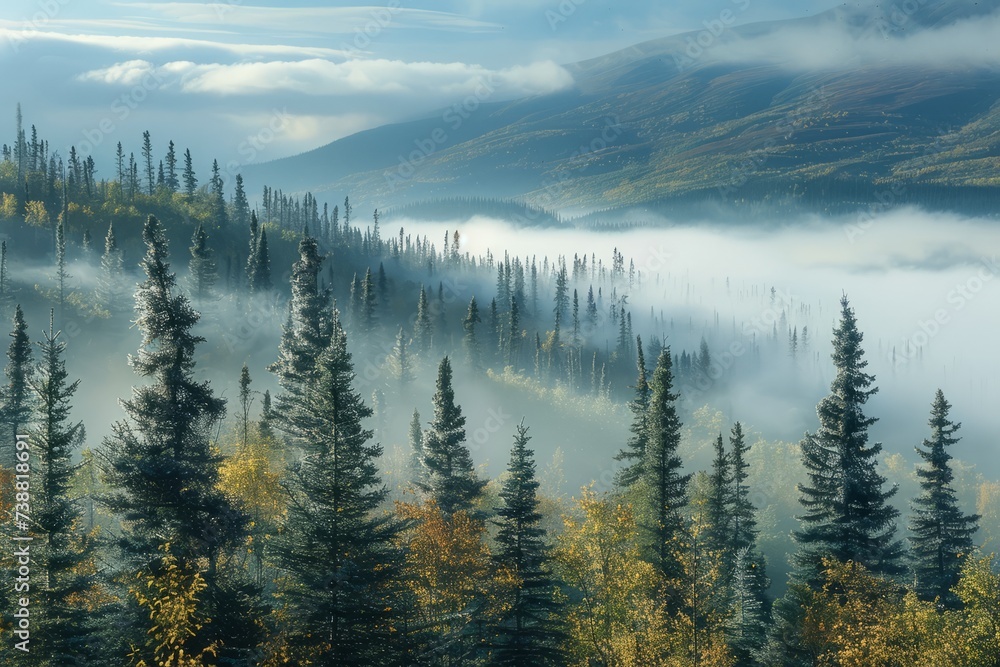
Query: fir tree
(718, 507)
(190, 182)
(666, 487)
(110, 285)
(241, 207)
(941, 532)
(423, 328)
(743, 525)
(401, 364)
(451, 478)
(201, 266)
(472, 348)
(338, 549)
(261, 278)
(18, 401)
(62, 556)
(528, 634)
(307, 332)
(848, 516)
(6, 293)
(418, 474)
(367, 303)
(170, 176)
(160, 464)
(635, 448)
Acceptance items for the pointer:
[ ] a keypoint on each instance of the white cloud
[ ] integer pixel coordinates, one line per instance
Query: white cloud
(325, 20)
(836, 46)
(317, 76)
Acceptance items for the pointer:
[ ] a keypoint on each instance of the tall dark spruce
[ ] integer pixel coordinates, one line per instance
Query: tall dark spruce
(941, 534)
(338, 549)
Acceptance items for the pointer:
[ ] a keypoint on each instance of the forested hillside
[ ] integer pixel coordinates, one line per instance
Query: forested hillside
(336, 443)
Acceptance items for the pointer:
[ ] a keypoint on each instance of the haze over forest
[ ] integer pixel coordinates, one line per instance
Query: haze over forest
(466, 334)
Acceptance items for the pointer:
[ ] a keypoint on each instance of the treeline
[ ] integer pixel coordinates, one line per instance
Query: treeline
(273, 538)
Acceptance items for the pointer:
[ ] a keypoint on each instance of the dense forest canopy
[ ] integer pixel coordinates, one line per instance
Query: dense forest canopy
(333, 444)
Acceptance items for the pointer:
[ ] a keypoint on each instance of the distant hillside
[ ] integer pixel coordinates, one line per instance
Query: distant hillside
(638, 129)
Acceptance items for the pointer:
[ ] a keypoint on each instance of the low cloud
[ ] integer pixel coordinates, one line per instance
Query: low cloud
(317, 76)
(839, 45)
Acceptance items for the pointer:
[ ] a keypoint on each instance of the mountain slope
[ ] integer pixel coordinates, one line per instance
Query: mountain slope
(650, 124)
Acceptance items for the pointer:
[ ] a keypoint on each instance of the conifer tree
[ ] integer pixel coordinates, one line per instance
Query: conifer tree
(170, 176)
(261, 278)
(190, 182)
(307, 332)
(159, 461)
(718, 507)
(201, 266)
(110, 285)
(6, 293)
(367, 303)
(528, 634)
(338, 549)
(472, 348)
(402, 366)
(743, 524)
(666, 487)
(451, 478)
(62, 556)
(848, 516)
(18, 401)
(941, 533)
(418, 474)
(423, 328)
(241, 207)
(635, 448)
(62, 275)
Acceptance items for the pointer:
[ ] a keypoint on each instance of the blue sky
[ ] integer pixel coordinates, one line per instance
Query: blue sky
(249, 80)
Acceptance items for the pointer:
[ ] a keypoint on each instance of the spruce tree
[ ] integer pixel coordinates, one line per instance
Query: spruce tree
(307, 332)
(161, 466)
(190, 181)
(18, 400)
(170, 179)
(718, 508)
(201, 267)
(634, 451)
(743, 526)
(338, 549)
(367, 302)
(402, 366)
(62, 275)
(6, 292)
(260, 280)
(663, 525)
(848, 516)
(451, 478)
(418, 474)
(62, 555)
(110, 283)
(528, 633)
(472, 348)
(423, 328)
(941, 534)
